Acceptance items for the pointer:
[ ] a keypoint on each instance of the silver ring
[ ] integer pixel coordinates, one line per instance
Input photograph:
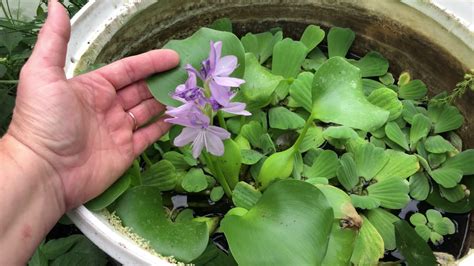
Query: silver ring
(135, 124)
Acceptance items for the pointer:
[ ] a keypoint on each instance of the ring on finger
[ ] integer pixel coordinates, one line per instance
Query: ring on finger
(135, 124)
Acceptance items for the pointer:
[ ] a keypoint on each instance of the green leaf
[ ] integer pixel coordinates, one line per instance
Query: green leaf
(214, 256)
(161, 85)
(260, 84)
(266, 144)
(288, 55)
(403, 79)
(387, 79)
(278, 166)
(229, 163)
(368, 246)
(372, 64)
(261, 44)
(462, 206)
(314, 60)
(57, 247)
(194, 181)
(84, 252)
(222, 24)
(282, 118)
(217, 193)
(3, 70)
(317, 181)
(450, 225)
(325, 165)
(423, 231)
(415, 250)
(456, 140)
(433, 216)
(177, 160)
(250, 157)
(141, 209)
(370, 160)
(391, 192)
(454, 194)
(418, 219)
(437, 144)
(462, 161)
(245, 195)
(395, 134)
(313, 139)
(347, 172)
(444, 227)
(413, 90)
(409, 110)
(11, 40)
(447, 177)
(419, 186)
(289, 225)
(339, 133)
(252, 132)
(420, 128)
(111, 194)
(399, 165)
(445, 117)
(161, 175)
(338, 97)
(312, 36)
(369, 85)
(339, 237)
(300, 90)
(339, 41)
(383, 221)
(365, 202)
(387, 99)
(436, 238)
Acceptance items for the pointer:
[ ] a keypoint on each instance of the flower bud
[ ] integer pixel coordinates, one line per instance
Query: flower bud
(278, 165)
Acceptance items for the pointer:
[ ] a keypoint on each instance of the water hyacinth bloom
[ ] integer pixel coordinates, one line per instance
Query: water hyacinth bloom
(201, 104)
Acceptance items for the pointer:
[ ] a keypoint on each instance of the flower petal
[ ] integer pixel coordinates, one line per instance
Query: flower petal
(214, 144)
(190, 68)
(198, 143)
(220, 93)
(225, 66)
(180, 121)
(236, 108)
(187, 135)
(214, 54)
(228, 81)
(219, 132)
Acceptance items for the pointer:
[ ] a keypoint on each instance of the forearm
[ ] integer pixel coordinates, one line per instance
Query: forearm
(31, 201)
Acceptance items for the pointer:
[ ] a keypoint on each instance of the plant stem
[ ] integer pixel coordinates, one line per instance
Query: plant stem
(8, 81)
(147, 160)
(220, 116)
(218, 175)
(308, 123)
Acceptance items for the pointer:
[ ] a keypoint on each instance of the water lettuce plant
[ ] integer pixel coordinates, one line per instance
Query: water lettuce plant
(293, 152)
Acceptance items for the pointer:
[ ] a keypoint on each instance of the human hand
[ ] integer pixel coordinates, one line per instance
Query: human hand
(80, 127)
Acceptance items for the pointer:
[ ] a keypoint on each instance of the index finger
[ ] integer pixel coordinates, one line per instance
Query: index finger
(134, 68)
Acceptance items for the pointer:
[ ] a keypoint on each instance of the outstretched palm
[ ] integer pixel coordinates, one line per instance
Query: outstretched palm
(81, 126)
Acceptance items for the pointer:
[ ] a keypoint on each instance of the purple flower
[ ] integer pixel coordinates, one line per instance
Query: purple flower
(236, 108)
(189, 91)
(202, 134)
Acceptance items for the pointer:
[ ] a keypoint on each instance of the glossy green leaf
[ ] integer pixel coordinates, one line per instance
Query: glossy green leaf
(413, 90)
(312, 140)
(325, 165)
(433, 216)
(419, 186)
(399, 164)
(435, 160)
(454, 194)
(420, 128)
(372, 64)
(388, 100)
(347, 172)
(140, 209)
(111, 194)
(462, 161)
(300, 90)
(415, 250)
(444, 227)
(229, 163)
(423, 231)
(339, 41)
(387, 79)
(312, 36)
(161, 175)
(252, 131)
(339, 133)
(338, 97)
(261, 44)
(340, 245)
(288, 55)
(369, 85)
(383, 221)
(282, 118)
(341, 204)
(314, 60)
(250, 157)
(260, 84)
(395, 134)
(222, 24)
(161, 85)
(317, 181)
(289, 225)
(445, 117)
(278, 166)
(365, 202)
(437, 144)
(391, 192)
(447, 177)
(418, 219)
(194, 181)
(368, 246)
(370, 160)
(216, 193)
(245, 195)
(409, 110)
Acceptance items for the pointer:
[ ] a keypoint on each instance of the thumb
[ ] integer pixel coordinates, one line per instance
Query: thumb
(50, 49)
